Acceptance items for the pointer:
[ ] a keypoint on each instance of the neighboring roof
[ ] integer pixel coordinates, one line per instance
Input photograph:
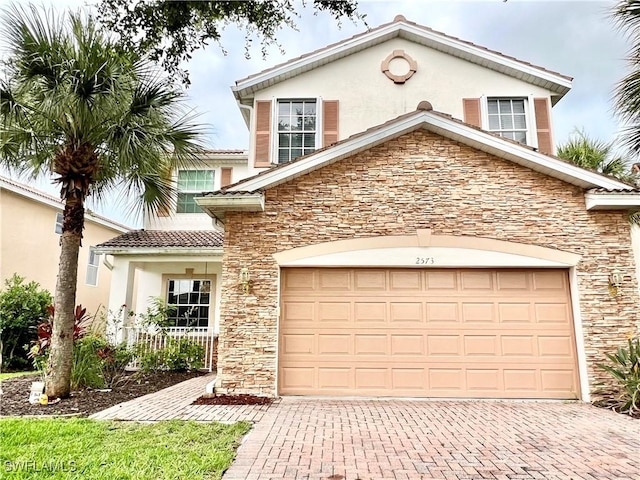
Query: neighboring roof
(400, 27)
(165, 239)
(46, 199)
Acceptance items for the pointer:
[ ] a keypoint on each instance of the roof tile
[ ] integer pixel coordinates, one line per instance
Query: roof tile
(166, 238)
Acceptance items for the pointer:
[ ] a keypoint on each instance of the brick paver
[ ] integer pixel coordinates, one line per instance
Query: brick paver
(314, 439)
(175, 403)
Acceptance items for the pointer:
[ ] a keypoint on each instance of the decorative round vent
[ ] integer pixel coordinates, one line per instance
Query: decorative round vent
(399, 66)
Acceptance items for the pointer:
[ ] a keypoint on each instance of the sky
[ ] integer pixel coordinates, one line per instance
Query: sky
(574, 38)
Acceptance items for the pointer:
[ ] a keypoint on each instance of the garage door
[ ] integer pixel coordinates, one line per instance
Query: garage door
(437, 333)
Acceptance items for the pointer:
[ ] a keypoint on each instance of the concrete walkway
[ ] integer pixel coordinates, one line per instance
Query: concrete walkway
(174, 403)
(456, 440)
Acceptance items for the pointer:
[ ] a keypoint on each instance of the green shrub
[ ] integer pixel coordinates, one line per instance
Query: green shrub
(22, 307)
(86, 371)
(179, 355)
(626, 370)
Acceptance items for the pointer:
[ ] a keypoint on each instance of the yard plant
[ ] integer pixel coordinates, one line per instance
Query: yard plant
(22, 307)
(625, 369)
(77, 106)
(91, 450)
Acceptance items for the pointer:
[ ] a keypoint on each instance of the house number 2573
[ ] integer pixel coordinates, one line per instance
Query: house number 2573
(425, 261)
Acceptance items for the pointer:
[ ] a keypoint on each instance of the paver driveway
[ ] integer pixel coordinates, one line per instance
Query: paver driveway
(302, 438)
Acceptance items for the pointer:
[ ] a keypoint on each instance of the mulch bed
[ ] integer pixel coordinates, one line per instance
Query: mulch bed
(233, 400)
(14, 399)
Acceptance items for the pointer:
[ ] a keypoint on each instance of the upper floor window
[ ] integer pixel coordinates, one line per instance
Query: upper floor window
(92, 267)
(508, 118)
(59, 221)
(296, 128)
(191, 184)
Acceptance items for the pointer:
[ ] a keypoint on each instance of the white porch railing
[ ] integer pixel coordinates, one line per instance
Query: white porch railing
(149, 340)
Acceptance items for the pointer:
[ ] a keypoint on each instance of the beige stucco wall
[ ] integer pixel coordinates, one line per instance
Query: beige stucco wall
(368, 98)
(197, 221)
(30, 247)
(420, 181)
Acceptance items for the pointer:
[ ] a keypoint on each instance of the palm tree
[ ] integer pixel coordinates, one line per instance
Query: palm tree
(586, 152)
(626, 14)
(76, 107)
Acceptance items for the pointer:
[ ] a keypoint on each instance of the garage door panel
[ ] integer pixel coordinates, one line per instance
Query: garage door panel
(418, 332)
(330, 280)
(551, 313)
(404, 280)
(295, 311)
(370, 312)
(477, 280)
(334, 344)
(484, 380)
(442, 312)
(407, 345)
(514, 312)
(335, 378)
(370, 280)
(367, 344)
(441, 280)
(406, 312)
(513, 280)
(478, 313)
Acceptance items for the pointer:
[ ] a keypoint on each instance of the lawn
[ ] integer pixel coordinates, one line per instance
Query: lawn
(4, 376)
(89, 449)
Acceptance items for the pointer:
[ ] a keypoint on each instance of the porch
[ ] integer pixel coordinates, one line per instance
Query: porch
(146, 340)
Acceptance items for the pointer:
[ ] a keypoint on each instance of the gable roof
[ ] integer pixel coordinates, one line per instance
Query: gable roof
(41, 197)
(245, 195)
(557, 83)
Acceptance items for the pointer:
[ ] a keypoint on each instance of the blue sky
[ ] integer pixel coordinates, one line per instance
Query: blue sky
(574, 38)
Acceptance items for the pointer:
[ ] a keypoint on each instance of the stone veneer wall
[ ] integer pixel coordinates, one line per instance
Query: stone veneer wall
(417, 181)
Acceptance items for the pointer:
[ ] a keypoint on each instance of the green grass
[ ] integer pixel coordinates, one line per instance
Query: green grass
(89, 449)
(4, 376)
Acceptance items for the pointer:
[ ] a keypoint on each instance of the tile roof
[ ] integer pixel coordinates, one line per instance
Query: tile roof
(402, 19)
(231, 189)
(616, 191)
(166, 238)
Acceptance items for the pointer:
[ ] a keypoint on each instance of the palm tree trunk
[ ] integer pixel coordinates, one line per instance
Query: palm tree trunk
(58, 378)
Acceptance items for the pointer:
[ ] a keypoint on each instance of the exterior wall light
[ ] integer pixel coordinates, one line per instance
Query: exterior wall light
(245, 280)
(616, 280)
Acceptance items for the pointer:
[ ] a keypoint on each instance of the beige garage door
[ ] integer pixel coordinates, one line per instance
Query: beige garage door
(436, 333)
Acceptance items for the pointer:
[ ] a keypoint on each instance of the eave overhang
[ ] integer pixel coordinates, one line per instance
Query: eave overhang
(556, 83)
(612, 201)
(160, 251)
(439, 124)
(217, 204)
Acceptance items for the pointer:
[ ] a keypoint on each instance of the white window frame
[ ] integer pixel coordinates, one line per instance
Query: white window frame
(92, 268)
(211, 294)
(59, 223)
(274, 123)
(195, 192)
(530, 118)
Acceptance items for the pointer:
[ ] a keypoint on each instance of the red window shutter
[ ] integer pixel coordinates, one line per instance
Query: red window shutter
(543, 125)
(263, 134)
(225, 176)
(472, 115)
(329, 122)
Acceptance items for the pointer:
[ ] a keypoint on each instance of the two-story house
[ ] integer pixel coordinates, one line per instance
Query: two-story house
(30, 229)
(398, 227)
